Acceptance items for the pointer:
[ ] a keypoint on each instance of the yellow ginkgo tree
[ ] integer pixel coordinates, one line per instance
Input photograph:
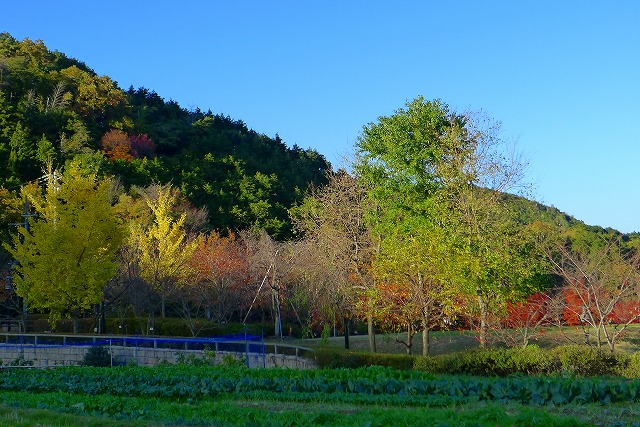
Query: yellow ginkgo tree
(162, 246)
(68, 253)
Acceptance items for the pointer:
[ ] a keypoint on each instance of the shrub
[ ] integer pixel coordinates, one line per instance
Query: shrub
(97, 356)
(585, 360)
(482, 362)
(631, 367)
(428, 364)
(327, 357)
(398, 361)
(530, 360)
(231, 360)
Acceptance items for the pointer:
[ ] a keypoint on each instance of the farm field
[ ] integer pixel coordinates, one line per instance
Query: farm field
(228, 396)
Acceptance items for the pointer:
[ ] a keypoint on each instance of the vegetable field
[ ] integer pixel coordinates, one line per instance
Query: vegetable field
(223, 395)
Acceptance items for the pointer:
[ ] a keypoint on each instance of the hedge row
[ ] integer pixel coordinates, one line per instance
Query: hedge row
(531, 360)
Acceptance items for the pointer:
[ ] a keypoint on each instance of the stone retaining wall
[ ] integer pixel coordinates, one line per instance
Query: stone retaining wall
(47, 356)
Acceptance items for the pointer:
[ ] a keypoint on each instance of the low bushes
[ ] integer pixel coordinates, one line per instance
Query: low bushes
(38, 323)
(588, 361)
(531, 360)
(632, 366)
(178, 327)
(327, 357)
(97, 356)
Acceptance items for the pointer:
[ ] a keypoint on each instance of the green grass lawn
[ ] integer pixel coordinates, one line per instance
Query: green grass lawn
(451, 341)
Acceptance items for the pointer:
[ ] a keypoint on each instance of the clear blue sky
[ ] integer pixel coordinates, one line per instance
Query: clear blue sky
(563, 77)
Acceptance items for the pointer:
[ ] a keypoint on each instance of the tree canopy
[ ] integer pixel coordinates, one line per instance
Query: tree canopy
(440, 176)
(67, 254)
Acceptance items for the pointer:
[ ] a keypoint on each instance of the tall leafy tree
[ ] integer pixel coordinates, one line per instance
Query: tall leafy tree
(496, 254)
(412, 264)
(403, 159)
(11, 207)
(217, 286)
(432, 170)
(116, 145)
(67, 255)
(45, 152)
(162, 247)
(332, 219)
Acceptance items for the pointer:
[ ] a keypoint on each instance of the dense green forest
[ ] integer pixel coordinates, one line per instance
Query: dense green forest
(55, 107)
(145, 209)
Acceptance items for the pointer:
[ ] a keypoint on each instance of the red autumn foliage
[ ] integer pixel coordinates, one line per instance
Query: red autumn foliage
(142, 146)
(531, 312)
(574, 308)
(117, 145)
(625, 311)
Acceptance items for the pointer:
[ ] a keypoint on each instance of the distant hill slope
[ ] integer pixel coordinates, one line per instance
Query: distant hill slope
(531, 211)
(55, 106)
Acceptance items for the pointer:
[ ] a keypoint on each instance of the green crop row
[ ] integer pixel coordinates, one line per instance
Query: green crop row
(373, 385)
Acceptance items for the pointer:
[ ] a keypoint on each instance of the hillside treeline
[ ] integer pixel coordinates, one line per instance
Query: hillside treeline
(55, 109)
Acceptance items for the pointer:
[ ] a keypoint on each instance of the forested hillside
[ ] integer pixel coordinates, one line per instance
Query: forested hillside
(55, 107)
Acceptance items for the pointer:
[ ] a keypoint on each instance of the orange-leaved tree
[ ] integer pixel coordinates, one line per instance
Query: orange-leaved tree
(116, 145)
(219, 274)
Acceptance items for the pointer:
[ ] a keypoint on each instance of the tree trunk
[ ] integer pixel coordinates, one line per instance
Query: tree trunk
(586, 336)
(409, 338)
(370, 330)
(103, 319)
(277, 328)
(275, 306)
(99, 319)
(525, 337)
(346, 333)
(612, 337)
(23, 313)
(483, 332)
(75, 321)
(151, 321)
(426, 341)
